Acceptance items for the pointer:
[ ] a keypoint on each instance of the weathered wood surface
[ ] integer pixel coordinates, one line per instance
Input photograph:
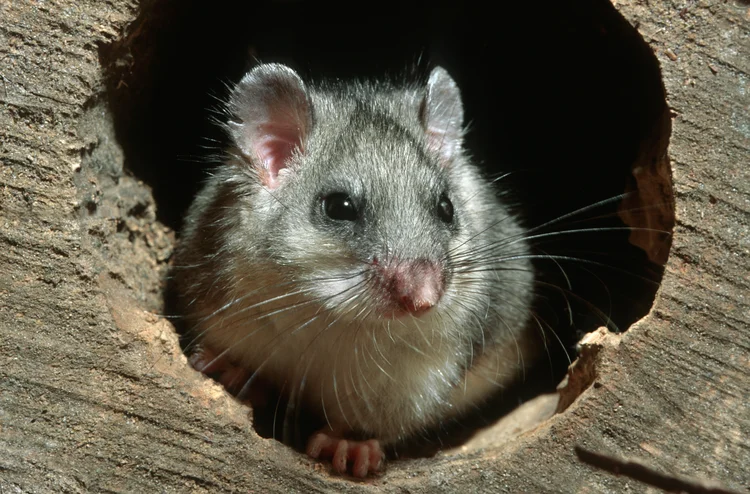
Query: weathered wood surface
(95, 395)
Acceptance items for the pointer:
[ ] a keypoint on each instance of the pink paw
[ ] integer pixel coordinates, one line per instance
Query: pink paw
(366, 457)
(231, 376)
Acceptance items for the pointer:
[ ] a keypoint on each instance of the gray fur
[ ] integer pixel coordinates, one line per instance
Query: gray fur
(262, 275)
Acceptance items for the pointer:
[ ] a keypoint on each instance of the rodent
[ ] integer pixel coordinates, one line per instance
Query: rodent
(349, 252)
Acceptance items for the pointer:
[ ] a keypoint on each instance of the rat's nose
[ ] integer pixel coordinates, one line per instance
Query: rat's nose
(415, 306)
(414, 285)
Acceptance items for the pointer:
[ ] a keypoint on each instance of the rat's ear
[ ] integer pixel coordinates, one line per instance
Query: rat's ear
(272, 117)
(442, 115)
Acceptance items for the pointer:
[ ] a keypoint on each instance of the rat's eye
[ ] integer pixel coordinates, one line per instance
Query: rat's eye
(445, 209)
(339, 206)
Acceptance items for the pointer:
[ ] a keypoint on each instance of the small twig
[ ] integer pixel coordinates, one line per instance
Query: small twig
(638, 471)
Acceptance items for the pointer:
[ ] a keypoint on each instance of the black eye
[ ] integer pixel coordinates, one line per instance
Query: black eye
(445, 209)
(339, 206)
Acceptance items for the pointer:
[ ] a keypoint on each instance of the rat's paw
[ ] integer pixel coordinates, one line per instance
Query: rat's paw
(365, 457)
(217, 366)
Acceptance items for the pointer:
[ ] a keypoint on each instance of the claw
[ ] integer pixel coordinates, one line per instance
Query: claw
(364, 457)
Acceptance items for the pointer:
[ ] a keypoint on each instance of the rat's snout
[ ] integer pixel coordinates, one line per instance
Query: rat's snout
(412, 286)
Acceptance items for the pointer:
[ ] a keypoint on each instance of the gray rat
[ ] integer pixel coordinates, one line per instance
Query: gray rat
(348, 252)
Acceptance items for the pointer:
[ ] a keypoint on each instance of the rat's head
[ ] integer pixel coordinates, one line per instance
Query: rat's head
(359, 188)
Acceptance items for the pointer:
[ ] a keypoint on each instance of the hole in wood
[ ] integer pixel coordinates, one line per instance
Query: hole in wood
(565, 101)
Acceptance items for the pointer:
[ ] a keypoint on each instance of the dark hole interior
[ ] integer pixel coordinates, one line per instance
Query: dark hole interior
(565, 95)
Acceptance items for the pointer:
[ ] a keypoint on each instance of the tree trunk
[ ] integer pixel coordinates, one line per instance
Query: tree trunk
(96, 395)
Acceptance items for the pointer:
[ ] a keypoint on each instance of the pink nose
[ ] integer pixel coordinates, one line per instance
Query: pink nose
(413, 306)
(415, 285)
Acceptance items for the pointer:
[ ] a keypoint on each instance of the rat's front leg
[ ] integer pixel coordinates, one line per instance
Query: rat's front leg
(236, 379)
(218, 366)
(365, 457)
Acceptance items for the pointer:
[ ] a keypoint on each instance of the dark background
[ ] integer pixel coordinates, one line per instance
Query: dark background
(561, 94)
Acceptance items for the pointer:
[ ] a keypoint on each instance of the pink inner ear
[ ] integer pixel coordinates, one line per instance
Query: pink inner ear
(274, 149)
(444, 143)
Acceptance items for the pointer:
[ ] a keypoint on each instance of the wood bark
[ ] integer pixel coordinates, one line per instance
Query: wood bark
(95, 394)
